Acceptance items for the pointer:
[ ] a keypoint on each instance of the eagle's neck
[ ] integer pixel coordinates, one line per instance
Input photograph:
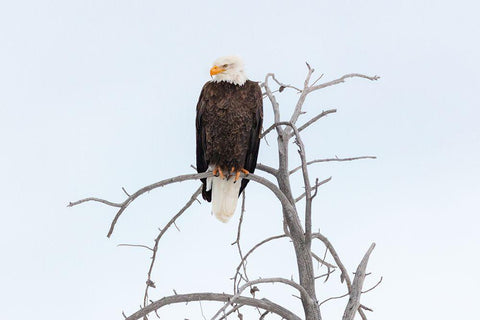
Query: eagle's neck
(237, 77)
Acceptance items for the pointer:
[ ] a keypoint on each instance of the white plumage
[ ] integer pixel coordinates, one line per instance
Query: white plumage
(224, 196)
(234, 70)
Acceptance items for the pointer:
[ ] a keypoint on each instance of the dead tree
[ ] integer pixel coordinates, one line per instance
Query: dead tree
(301, 235)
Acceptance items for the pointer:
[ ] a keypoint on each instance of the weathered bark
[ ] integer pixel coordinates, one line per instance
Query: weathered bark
(302, 251)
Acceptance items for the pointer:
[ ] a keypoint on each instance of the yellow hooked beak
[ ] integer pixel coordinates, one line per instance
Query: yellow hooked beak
(216, 70)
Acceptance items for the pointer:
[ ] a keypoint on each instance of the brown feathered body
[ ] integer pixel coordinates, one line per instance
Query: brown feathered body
(228, 125)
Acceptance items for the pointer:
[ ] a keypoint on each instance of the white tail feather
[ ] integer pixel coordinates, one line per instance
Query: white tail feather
(224, 197)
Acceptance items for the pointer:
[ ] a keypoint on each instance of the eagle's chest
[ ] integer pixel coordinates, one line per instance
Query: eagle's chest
(226, 124)
(227, 129)
(227, 112)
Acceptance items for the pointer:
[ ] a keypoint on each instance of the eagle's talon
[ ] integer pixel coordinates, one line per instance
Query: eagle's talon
(217, 172)
(237, 175)
(220, 173)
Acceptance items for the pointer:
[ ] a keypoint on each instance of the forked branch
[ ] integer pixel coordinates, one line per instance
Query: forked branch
(123, 205)
(356, 290)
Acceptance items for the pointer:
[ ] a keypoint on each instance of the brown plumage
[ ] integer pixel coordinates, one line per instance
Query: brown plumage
(229, 121)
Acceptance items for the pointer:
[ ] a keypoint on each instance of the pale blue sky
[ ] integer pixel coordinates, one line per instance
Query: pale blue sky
(96, 95)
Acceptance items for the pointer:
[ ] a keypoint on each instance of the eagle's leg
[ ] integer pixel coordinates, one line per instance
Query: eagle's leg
(237, 174)
(218, 171)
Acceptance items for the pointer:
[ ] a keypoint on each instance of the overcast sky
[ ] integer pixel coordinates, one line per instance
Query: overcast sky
(99, 95)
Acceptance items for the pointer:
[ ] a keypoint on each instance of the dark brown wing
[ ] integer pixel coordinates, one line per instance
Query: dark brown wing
(202, 163)
(254, 143)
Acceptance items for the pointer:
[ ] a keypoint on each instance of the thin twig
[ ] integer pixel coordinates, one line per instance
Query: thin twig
(319, 116)
(258, 281)
(332, 159)
(201, 310)
(340, 80)
(134, 245)
(326, 275)
(224, 316)
(284, 85)
(125, 191)
(160, 235)
(333, 298)
(376, 285)
(237, 271)
(323, 262)
(273, 101)
(321, 76)
(333, 252)
(237, 242)
(365, 308)
(362, 314)
(317, 184)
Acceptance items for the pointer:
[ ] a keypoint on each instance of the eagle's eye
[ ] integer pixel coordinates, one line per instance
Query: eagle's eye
(225, 66)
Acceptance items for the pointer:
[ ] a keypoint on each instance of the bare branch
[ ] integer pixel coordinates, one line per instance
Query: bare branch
(319, 116)
(141, 191)
(134, 245)
(365, 308)
(273, 126)
(376, 285)
(323, 262)
(309, 89)
(309, 75)
(201, 310)
(356, 290)
(273, 101)
(125, 191)
(333, 298)
(332, 159)
(108, 203)
(267, 169)
(237, 271)
(263, 315)
(316, 188)
(326, 275)
(317, 184)
(222, 297)
(258, 281)
(297, 111)
(362, 314)
(237, 242)
(340, 80)
(335, 257)
(238, 306)
(321, 76)
(160, 235)
(306, 180)
(282, 85)
(289, 209)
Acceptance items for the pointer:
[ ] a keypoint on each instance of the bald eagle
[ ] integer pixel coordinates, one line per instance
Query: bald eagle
(228, 126)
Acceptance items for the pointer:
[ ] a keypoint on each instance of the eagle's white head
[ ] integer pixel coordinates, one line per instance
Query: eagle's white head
(229, 69)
